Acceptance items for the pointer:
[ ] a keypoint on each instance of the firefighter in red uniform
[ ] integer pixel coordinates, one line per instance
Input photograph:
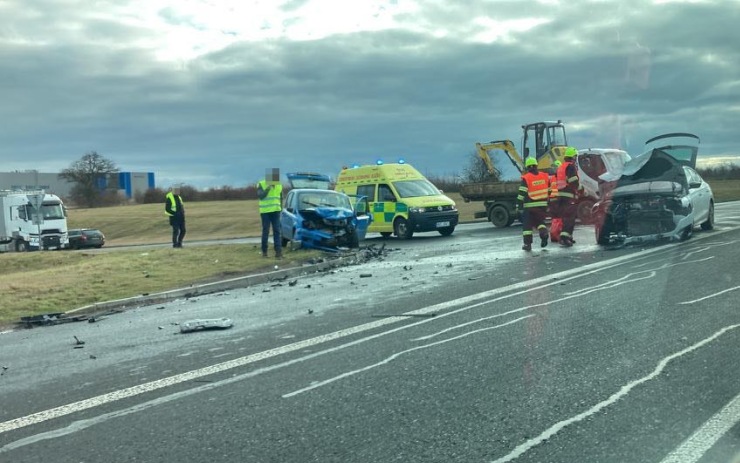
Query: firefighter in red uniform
(568, 186)
(532, 199)
(556, 225)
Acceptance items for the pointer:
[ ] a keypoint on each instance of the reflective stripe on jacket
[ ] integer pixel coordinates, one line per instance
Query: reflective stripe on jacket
(534, 189)
(271, 202)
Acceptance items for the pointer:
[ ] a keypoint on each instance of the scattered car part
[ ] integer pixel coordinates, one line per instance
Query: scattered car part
(206, 324)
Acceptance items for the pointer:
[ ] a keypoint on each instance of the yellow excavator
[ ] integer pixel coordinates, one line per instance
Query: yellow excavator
(546, 141)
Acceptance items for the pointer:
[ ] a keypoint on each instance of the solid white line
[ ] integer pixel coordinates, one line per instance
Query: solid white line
(395, 356)
(710, 296)
(706, 436)
(623, 391)
(537, 283)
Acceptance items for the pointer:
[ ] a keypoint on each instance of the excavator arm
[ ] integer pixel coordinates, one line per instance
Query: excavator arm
(504, 145)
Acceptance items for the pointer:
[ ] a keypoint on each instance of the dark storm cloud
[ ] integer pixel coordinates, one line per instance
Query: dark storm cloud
(616, 73)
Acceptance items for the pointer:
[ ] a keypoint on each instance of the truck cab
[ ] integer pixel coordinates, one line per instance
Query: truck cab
(32, 220)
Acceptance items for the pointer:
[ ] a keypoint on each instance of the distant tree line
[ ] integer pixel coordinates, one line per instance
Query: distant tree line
(726, 171)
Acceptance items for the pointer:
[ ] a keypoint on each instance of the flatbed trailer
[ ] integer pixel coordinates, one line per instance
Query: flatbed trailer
(499, 200)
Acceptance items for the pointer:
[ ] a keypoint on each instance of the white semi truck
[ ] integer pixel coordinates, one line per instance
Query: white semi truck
(32, 220)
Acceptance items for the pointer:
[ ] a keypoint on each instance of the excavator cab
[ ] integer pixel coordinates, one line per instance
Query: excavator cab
(546, 141)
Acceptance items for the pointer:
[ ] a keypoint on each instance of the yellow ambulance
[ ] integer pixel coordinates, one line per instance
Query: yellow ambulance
(401, 200)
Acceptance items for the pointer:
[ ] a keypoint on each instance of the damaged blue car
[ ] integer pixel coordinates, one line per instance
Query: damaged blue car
(319, 218)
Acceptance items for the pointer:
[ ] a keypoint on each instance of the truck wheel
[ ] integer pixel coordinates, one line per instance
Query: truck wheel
(402, 229)
(446, 231)
(21, 246)
(500, 216)
(585, 214)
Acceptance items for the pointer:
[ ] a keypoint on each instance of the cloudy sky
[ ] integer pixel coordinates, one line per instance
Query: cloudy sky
(211, 92)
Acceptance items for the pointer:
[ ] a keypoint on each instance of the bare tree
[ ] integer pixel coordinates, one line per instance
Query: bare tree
(476, 170)
(89, 174)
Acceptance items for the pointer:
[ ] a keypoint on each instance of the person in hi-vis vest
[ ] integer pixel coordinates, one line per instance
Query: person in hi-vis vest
(270, 194)
(174, 208)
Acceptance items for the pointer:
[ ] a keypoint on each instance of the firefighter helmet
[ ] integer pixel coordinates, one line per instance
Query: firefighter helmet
(570, 152)
(529, 162)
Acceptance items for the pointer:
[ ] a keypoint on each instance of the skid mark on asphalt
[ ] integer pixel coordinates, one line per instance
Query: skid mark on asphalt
(398, 354)
(623, 391)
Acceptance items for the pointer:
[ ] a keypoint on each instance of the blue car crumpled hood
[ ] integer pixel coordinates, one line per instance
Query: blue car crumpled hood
(334, 213)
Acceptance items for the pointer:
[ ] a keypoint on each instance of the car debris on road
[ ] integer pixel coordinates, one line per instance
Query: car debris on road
(206, 324)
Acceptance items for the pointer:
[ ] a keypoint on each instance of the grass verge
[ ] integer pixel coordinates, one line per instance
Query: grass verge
(45, 282)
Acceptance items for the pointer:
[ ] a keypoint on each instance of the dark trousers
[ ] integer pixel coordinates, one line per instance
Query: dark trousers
(568, 210)
(178, 230)
(271, 219)
(533, 218)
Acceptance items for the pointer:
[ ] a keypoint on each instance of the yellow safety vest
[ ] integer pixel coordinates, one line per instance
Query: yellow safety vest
(173, 203)
(271, 202)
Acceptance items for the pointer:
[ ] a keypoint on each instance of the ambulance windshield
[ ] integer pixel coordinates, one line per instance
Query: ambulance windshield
(415, 188)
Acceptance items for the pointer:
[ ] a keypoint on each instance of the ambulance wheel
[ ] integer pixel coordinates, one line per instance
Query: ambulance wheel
(402, 229)
(21, 246)
(386, 234)
(446, 231)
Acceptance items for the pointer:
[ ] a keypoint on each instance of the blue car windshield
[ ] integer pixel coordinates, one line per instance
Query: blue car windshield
(414, 188)
(317, 198)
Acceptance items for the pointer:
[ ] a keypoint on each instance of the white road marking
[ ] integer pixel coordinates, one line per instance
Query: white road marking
(623, 391)
(711, 295)
(395, 356)
(706, 436)
(533, 284)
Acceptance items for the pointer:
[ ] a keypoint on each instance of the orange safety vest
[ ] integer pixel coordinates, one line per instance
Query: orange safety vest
(564, 182)
(553, 186)
(538, 187)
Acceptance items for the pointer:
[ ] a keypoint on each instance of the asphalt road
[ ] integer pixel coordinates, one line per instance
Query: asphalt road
(459, 349)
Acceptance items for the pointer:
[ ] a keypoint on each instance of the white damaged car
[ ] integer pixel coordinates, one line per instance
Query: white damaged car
(657, 195)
